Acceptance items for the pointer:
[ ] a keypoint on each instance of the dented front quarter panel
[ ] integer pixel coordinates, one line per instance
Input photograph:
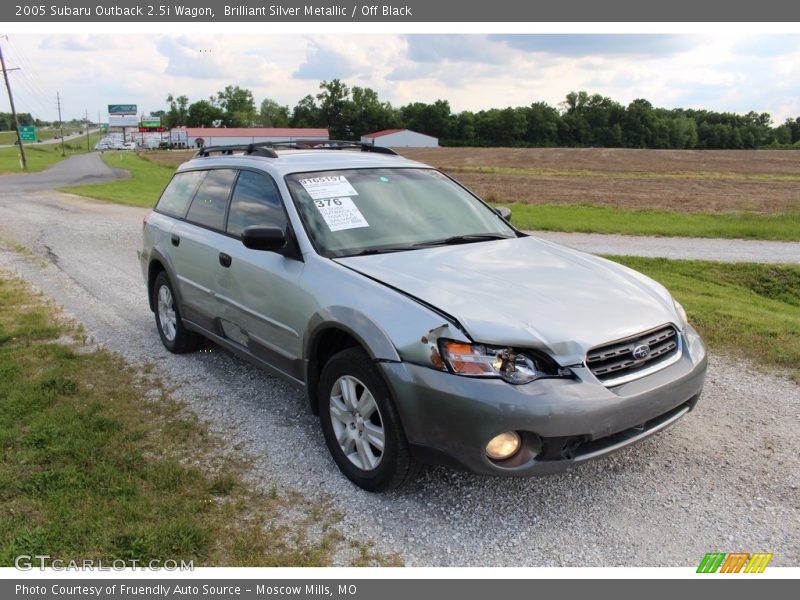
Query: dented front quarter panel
(391, 325)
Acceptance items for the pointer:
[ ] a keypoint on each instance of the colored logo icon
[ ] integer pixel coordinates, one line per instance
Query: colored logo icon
(734, 562)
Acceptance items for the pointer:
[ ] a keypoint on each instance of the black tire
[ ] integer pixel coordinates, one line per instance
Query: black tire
(183, 340)
(395, 465)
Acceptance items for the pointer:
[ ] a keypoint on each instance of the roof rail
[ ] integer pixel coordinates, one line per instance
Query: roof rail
(266, 148)
(255, 148)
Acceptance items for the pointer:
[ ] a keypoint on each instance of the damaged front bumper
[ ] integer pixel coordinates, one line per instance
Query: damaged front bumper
(449, 419)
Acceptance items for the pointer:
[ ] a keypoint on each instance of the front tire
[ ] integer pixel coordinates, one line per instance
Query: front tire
(175, 337)
(360, 424)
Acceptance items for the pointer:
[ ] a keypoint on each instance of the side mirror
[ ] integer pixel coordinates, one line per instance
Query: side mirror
(504, 212)
(264, 237)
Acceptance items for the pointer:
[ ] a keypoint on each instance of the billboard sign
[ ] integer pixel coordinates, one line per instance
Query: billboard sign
(151, 122)
(122, 109)
(123, 121)
(27, 134)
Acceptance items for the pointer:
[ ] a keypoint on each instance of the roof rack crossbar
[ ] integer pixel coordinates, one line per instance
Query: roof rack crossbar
(266, 148)
(258, 148)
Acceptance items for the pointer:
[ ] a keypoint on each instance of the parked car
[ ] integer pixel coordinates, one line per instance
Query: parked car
(422, 325)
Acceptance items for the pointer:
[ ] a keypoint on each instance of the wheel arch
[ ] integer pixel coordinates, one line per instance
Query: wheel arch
(336, 329)
(158, 262)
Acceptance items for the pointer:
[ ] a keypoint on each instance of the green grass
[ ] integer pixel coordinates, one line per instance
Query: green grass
(746, 310)
(602, 219)
(96, 461)
(43, 156)
(145, 185)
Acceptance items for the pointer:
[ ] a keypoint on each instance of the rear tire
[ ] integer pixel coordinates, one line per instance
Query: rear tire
(175, 337)
(360, 423)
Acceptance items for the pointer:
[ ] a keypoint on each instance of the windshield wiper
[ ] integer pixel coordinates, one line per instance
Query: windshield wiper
(463, 239)
(385, 250)
(452, 240)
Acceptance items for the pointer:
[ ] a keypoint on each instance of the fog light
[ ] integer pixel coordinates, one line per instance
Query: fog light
(503, 446)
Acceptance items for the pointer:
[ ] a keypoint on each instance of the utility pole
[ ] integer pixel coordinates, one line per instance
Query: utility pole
(86, 119)
(13, 110)
(60, 123)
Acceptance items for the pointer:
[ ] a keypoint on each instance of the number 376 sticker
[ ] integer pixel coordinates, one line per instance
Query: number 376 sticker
(340, 213)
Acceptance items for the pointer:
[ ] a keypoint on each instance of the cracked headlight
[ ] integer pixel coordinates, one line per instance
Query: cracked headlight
(476, 360)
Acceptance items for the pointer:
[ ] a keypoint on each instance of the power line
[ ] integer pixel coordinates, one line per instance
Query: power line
(60, 123)
(30, 78)
(13, 110)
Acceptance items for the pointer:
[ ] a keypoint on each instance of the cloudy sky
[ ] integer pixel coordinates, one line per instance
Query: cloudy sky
(724, 72)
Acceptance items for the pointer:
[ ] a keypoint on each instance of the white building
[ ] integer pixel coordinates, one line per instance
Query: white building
(229, 136)
(400, 138)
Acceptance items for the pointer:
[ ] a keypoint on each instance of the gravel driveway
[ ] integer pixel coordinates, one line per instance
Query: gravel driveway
(678, 247)
(725, 478)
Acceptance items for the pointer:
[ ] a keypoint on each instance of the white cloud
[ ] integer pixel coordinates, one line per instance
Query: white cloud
(715, 71)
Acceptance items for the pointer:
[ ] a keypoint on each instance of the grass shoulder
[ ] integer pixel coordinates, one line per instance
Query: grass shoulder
(586, 218)
(42, 156)
(147, 181)
(746, 310)
(99, 462)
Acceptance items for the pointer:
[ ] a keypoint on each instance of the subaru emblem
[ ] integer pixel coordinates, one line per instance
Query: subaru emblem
(641, 352)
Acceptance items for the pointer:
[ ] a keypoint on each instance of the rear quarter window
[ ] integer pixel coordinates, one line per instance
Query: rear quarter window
(178, 194)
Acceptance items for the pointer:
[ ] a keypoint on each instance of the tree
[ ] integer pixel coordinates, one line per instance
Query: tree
(204, 114)
(542, 125)
(431, 119)
(638, 124)
(238, 106)
(306, 113)
(463, 130)
(176, 115)
(365, 113)
(273, 114)
(333, 101)
(794, 128)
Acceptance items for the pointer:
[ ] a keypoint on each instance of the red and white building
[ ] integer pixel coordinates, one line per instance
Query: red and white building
(229, 136)
(400, 138)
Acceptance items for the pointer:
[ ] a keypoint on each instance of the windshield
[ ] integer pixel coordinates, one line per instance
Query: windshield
(361, 211)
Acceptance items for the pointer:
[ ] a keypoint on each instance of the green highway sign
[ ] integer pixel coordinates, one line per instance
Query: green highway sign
(122, 109)
(28, 134)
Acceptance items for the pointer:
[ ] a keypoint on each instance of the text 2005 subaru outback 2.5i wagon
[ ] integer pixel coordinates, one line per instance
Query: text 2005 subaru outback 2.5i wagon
(423, 326)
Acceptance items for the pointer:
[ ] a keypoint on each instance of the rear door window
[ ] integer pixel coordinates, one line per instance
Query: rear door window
(255, 201)
(176, 197)
(211, 200)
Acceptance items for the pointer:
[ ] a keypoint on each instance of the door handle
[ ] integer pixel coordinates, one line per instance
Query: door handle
(225, 260)
(176, 241)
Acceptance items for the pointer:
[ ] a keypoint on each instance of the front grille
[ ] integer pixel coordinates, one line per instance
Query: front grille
(624, 360)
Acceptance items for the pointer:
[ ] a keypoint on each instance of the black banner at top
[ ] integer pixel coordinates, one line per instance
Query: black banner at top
(409, 11)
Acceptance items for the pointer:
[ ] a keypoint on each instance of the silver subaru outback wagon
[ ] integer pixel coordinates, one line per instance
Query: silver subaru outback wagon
(422, 325)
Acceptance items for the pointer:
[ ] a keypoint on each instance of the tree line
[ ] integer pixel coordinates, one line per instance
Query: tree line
(27, 120)
(7, 120)
(581, 120)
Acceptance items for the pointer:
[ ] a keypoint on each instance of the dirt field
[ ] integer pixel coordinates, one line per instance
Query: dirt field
(763, 181)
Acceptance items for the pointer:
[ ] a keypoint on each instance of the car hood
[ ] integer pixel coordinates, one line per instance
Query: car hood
(526, 292)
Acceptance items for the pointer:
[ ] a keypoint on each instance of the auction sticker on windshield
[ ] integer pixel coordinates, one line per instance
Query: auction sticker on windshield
(331, 186)
(340, 213)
